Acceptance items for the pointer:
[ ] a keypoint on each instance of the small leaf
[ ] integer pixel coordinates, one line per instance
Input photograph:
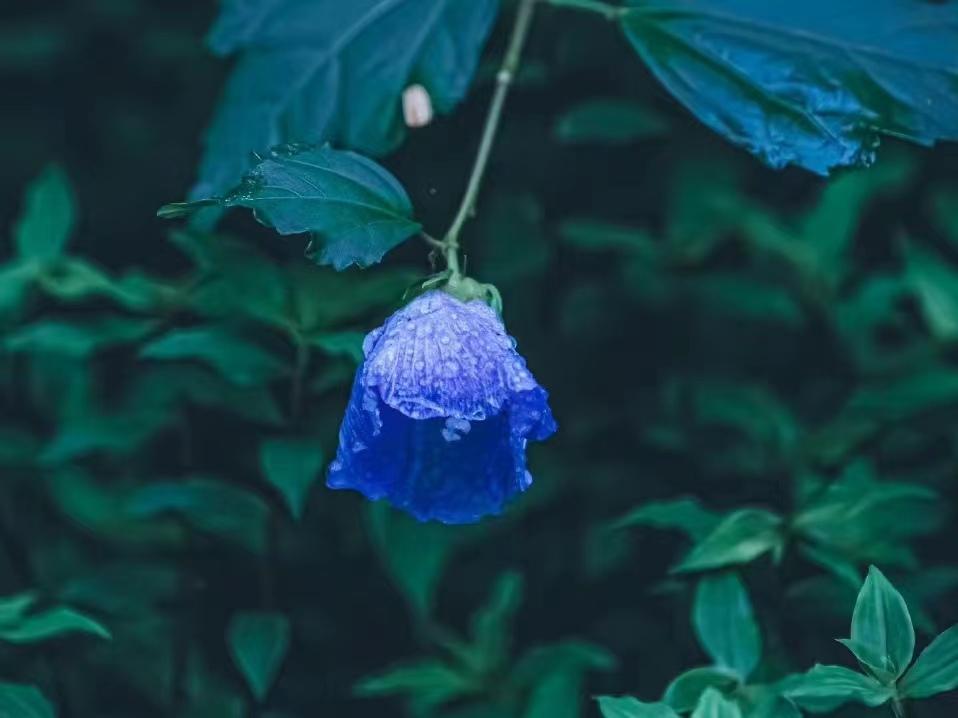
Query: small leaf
(258, 643)
(881, 625)
(684, 514)
(429, 683)
(211, 506)
(825, 688)
(48, 216)
(232, 355)
(347, 344)
(292, 466)
(714, 705)
(934, 282)
(75, 339)
(628, 707)
(741, 537)
(23, 701)
(492, 624)
(609, 121)
(725, 625)
(684, 692)
(52, 623)
(355, 210)
(936, 669)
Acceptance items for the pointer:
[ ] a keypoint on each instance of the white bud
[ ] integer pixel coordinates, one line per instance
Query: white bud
(416, 106)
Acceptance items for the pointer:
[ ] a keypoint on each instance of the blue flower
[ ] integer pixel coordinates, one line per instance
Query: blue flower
(440, 413)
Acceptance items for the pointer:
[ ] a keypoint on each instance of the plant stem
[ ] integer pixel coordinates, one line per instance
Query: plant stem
(898, 708)
(609, 12)
(504, 79)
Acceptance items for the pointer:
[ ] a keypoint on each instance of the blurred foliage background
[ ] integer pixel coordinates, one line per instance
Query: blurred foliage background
(724, 345)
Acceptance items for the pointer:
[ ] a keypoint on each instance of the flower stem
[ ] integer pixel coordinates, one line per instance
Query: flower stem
(504, 79)
(609, 12)
(898, 708)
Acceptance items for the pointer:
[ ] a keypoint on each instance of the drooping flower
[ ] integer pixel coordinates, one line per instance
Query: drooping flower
(441, 410)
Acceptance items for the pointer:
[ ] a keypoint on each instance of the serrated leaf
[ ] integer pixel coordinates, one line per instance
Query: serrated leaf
(610, 121)
(936, 669)
(741, 537)
(24, 701)
(686, 689)
(714, 705)
(355, 210)
(328, 71)
(291, 465)
(725, 625)
(258, 643)
(628, 707)
(881, 626)
(229, 353)
(825, 688)
(806, 83)
(48, 216)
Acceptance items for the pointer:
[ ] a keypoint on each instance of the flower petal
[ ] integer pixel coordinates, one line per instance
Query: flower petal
(441, 357)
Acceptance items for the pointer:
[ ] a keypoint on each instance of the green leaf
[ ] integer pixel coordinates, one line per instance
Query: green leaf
(610, 121)
(258, 643)
(825, 688)
(23, 701)
(684, 514)
(628, 707)
(685, 691)
(741, 537)
(881, 626)
(429, 683)
(291, 465)
(556, 673)
(934, 282)
(936, 669)
(355, 210)
(346, 344)
(805, 83)
(210, 506)
(330, 71)
(75, 339)
(48, 216)
(714, 705)
(51, 623)
(723, 620)
(597, 235)
(413, 553)
(232, 355)
(492, 624)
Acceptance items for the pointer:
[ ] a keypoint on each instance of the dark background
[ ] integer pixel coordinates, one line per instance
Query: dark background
(659, 367)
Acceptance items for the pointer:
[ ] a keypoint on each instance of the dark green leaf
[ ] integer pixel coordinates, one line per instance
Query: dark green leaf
(50, 623)
(725, 625)
(881, 627)
(806, 84)
(355, 210)
(232, 355)
(22, 701)
(825, 688)
(685, 514)
(492, 624)
(75, 339)
(292, 466)
(610, 121)
(934, 282)
(210, 506)
(936, 669)
(685, 691)
(428, 683)
(714, 705)
(48, 216)
(331, 71)
(741, 537)
(627, 707)
(258, 643)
